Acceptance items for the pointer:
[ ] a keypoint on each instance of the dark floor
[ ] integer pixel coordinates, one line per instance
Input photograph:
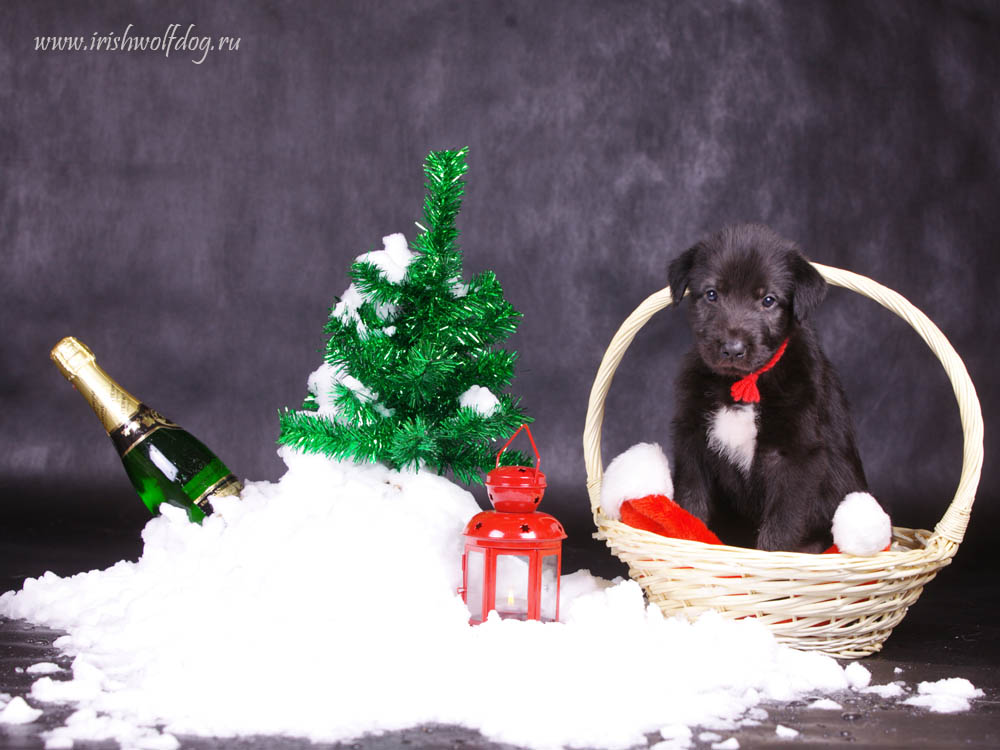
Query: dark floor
(952, 631)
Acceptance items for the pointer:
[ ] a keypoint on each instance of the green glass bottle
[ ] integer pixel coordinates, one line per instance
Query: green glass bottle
(166, 463)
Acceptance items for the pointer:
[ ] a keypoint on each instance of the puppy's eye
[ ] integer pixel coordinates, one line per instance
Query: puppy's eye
(768, 301)
(711, 295)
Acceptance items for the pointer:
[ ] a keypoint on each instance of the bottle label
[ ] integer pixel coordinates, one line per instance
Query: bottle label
(137, 428)
(228, 485)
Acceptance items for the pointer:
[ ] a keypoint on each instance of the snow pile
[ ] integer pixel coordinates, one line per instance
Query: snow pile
(324, 606)
(945, 696)
(44, 667)
(674, 736)
(17, 711)
(857, 675)
(786, 733)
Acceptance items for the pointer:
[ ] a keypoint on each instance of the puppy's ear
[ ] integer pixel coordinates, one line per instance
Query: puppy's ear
(810, 287)
(679, 273)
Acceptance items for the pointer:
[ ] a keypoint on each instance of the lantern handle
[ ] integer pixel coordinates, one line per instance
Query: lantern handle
(538, 459)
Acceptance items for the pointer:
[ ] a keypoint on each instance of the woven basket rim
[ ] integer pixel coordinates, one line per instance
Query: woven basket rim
(950, 530)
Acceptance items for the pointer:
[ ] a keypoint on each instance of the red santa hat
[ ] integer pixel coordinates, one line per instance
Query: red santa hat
(636, 490)
(637, 486)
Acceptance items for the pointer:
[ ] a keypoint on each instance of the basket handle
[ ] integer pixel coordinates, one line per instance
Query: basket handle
(952, 526)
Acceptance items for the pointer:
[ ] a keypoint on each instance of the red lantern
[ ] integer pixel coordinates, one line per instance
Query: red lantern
(513, 554)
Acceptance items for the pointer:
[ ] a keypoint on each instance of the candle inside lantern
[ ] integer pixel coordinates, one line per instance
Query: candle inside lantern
(512, 585)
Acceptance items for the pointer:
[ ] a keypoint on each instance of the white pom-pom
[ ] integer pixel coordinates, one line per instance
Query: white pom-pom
(641, 470)
(860, 526)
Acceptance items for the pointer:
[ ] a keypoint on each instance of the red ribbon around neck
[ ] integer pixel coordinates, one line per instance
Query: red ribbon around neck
(745, 389)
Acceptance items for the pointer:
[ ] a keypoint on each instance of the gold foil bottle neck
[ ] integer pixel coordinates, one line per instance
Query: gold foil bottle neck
(71, 355)
(113, 405)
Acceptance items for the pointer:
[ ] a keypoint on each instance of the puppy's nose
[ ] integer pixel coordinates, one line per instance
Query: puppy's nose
(733, 349)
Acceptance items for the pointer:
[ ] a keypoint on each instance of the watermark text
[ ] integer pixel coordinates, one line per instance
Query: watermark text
(173, 41)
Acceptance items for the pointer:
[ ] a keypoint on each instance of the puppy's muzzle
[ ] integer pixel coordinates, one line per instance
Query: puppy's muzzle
(733, 349)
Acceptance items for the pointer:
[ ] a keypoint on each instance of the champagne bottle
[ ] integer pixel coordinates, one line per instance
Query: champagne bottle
(166, 463)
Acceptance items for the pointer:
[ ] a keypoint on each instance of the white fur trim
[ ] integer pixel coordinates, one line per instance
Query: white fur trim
(732, 433)
(641, 470)
(860, 526)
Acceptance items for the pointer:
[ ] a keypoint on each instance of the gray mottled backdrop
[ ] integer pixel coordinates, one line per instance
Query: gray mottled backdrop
(192, 222)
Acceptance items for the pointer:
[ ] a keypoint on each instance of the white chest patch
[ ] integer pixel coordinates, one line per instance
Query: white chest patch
(732, 433)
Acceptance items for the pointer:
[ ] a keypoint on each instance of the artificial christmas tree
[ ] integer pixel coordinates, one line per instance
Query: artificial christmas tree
(413, 374)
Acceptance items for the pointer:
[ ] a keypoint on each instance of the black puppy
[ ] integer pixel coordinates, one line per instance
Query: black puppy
(764, 446)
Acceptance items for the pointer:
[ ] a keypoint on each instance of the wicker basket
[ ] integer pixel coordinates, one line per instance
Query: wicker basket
(837, 604)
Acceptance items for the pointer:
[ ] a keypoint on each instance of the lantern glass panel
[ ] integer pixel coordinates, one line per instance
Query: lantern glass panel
(475, 566)
(550, 587)
(512, 585)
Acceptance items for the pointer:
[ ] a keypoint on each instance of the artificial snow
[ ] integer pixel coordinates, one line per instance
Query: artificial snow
(945, 696)
(857, 676)
(392, 260)
(786, 733)
(347, 308)
(892, 690)
(480, 400)
(338, 584)
(825, 704)
(319, 385)
(17, 711)
(44, 667)
(322, 384)
(675, 737)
